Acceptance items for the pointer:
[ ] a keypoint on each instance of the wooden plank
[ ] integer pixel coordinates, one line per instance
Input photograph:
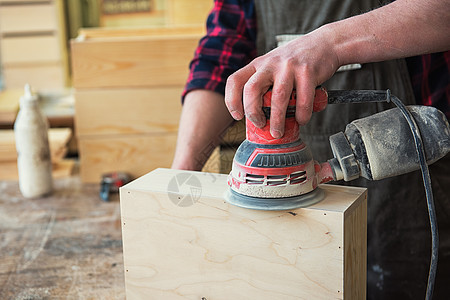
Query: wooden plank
(57, 139)
(31, 49)
(181, 240)
(105, 32)
(9, 105)
(36, 17)
(39, 76)
(132, 61)
(134, 154)
(127, 111)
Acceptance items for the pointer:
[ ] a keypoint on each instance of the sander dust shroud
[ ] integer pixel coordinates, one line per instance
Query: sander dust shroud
(281, 174)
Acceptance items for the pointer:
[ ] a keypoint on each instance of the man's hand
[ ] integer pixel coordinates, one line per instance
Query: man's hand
(302, 64)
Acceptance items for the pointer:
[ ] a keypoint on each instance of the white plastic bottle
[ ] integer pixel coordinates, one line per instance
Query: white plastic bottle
(33, 151)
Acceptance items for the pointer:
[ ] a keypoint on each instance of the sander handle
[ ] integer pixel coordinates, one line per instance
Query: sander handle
(358, 96)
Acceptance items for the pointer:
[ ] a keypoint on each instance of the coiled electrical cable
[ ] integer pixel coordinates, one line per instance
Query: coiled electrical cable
(428, 192)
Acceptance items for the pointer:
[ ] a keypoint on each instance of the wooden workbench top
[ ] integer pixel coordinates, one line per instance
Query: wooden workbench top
(65, 246)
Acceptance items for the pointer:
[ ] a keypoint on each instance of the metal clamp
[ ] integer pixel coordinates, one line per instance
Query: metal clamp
(344, 164)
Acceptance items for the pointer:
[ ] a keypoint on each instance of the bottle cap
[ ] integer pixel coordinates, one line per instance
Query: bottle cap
(28, 97)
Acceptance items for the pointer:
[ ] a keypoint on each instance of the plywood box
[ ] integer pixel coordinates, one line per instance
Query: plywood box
(134, 154)
(153, 61)
(181, 240)
(127, 111)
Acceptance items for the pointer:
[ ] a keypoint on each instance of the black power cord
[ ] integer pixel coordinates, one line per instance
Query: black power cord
(428, 192)
(385, 96)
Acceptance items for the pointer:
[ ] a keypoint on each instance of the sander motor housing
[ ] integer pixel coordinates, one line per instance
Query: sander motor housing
(266, 167)
(275, 174)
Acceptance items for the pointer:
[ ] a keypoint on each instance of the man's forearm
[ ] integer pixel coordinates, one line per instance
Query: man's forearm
(203, 119)
(400, 29)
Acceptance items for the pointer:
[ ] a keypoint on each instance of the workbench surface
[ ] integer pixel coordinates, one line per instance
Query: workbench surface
(65, 246)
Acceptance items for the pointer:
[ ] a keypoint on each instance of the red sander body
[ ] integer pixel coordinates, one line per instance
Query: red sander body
(268, 170)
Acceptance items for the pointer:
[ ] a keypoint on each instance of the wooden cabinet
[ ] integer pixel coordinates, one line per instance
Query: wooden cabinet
(128, 86)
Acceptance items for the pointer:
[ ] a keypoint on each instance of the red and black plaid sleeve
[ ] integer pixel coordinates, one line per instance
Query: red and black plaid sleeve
(430, 78)
(229, 44)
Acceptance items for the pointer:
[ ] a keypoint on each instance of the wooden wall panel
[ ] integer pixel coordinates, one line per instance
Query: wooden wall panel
(181, 240)
(134, 154)
(127, 111)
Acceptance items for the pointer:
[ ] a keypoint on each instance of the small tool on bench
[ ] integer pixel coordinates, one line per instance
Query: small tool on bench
(111, 182)
(281, 174)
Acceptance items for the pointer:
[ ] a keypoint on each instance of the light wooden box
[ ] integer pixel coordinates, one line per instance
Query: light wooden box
(181, 240)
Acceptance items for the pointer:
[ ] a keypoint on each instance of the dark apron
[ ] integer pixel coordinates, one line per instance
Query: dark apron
(398, 227)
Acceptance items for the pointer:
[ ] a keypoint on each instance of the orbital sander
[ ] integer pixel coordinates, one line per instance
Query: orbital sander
(281, 174)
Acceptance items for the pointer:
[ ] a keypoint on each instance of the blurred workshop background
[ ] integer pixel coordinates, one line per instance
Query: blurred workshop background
(109, 75)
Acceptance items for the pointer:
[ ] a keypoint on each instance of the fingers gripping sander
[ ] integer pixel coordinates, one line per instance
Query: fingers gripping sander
(281, 174)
